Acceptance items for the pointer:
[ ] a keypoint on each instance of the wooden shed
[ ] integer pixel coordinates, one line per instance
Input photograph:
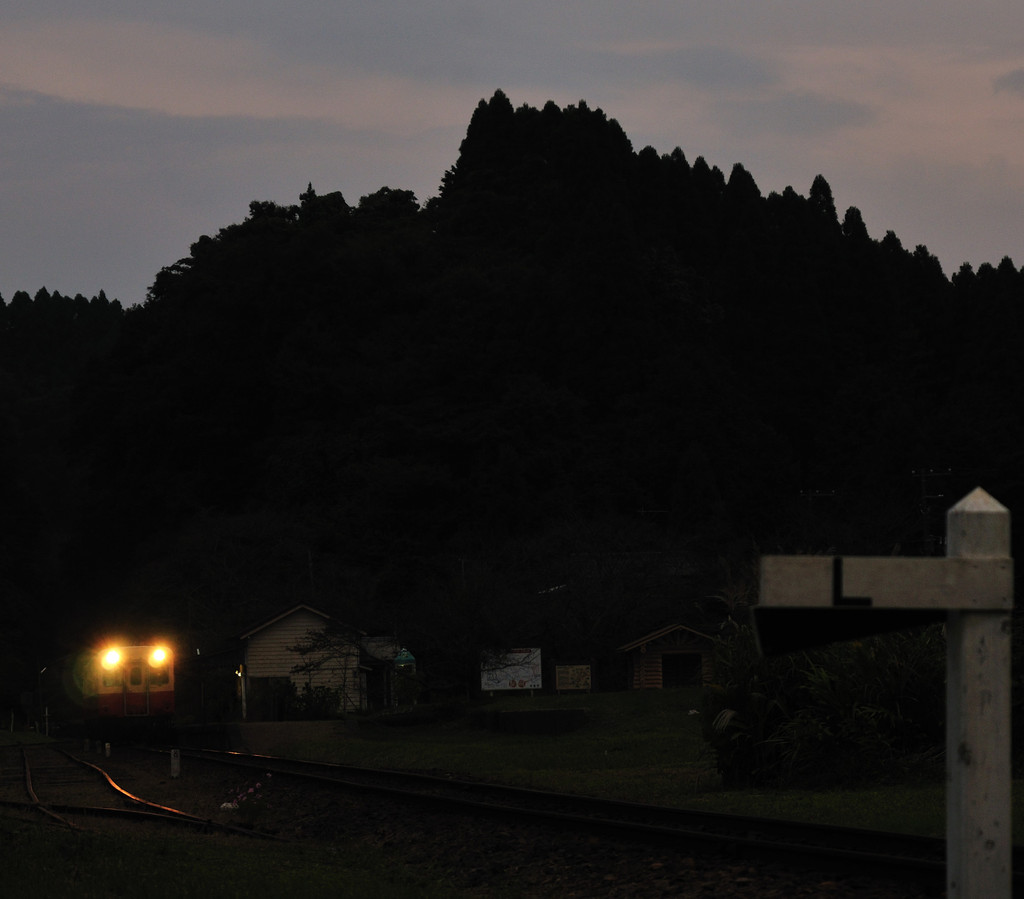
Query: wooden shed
(675, 656)
(269, 661)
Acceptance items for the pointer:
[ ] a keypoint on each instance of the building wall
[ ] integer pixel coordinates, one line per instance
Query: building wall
(267, 655)
(647, 668)
(646, 660)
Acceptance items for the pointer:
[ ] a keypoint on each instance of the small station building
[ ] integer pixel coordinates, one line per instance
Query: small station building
(674, 656)
(269, 662)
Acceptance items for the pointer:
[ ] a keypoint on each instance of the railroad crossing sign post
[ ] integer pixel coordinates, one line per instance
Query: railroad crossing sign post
(808, 600)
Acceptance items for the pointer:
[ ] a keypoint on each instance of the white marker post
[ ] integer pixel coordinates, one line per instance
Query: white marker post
(979, 838)
(808, 600)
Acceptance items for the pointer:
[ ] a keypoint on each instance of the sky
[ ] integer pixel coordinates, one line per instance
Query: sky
(130, 128)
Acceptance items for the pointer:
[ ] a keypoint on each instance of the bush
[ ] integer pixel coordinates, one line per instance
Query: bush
(314, 704)
(865, 711)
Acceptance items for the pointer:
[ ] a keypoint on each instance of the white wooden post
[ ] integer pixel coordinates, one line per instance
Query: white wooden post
(817, 599)
(979, 836)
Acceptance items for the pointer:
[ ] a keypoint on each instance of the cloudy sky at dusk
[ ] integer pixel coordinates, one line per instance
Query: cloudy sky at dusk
(129, 129)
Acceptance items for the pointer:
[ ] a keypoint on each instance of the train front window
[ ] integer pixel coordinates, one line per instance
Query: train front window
(159, 676)
(112, 678)
(135, 675)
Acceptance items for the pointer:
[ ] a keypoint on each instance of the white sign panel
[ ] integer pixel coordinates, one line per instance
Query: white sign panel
(513, 669)
(887, 582)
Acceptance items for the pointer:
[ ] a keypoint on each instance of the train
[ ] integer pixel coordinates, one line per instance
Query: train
(129, 690)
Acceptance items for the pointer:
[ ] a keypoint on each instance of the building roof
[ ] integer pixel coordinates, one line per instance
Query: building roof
(284, 614)
(658, 634)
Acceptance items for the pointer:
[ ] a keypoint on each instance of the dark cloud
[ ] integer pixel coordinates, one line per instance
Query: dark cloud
(709, 68)
(1012, 82)
(714, 68)
(798, 114)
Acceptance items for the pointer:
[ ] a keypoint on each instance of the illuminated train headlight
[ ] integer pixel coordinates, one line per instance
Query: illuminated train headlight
(158, 657)
(111, 658)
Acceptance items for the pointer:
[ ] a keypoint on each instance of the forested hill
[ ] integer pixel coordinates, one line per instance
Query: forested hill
(426, 417)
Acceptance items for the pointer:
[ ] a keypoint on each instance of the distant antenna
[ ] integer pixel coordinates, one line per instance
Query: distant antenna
(812, 495)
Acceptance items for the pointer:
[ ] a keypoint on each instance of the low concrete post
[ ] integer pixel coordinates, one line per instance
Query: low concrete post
(979, 836)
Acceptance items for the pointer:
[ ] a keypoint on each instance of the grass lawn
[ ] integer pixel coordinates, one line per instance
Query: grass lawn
(636, 746)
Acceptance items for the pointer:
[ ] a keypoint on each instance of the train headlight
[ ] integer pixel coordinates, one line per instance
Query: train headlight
(111, 658)
(158, 657)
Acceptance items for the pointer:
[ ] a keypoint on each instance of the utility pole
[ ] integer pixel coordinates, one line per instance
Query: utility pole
(927, 476)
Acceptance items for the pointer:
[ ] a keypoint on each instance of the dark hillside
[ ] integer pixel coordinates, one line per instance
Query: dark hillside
(424, 418)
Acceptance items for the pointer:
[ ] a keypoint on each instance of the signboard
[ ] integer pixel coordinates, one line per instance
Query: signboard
(572, 677)
(513, 669)
(886, 582)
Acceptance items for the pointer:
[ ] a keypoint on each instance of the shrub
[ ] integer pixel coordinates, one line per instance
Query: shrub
(869, 710)
(314, 704)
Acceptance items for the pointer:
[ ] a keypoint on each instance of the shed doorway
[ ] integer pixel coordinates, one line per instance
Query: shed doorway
(681, 669)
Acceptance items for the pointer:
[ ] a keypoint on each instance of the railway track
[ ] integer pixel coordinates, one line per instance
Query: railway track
(901, 857)
(69, 790)
(485, 833)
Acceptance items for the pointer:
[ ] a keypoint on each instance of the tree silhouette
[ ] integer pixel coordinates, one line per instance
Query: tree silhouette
(570, 331)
